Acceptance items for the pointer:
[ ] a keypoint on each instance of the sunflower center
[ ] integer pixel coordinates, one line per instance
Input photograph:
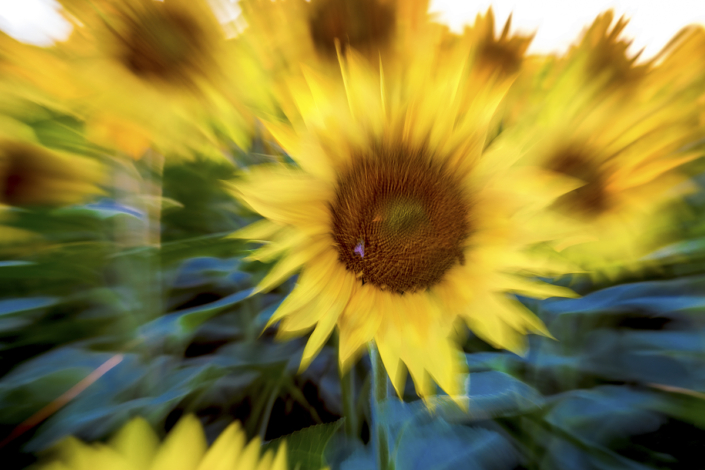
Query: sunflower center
(399, 220)
(21, 175)
(500, 56)
(364, 25)
(590, 200)
(164, 45)
(401, 217)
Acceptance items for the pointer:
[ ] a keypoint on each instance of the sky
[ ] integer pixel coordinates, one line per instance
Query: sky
(557, 23)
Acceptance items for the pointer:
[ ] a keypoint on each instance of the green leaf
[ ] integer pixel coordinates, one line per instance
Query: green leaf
(179, 325)
(12, 306)
(191, 318)
(438, 445)
(684, 405)
(305, 448)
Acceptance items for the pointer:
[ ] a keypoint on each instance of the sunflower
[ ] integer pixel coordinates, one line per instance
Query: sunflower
(606, 57)
(31, 74)
(291, 32)
(681, 68)
(34, 175)
(398, 222)
(137, 447)
(621, 135)
(162, 66)
(290, 37)
(496, 60)
(500, 56)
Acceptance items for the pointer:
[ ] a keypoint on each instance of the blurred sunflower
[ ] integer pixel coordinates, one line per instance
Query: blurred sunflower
(291, 36)
(495, 60)
(160, 66)
(137, 447)
(500, 57)
(605, 56)
(681, 69)
(620, 137)
(400, 225)
(291, 32)
(34, 175)
(33, 75)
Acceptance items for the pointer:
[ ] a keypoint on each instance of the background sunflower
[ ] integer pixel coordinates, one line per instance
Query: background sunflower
(127, 296)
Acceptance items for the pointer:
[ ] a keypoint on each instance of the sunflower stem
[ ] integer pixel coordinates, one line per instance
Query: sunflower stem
(380, 392)
(347, 391)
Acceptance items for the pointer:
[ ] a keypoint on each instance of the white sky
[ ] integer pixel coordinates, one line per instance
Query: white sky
(557, 22)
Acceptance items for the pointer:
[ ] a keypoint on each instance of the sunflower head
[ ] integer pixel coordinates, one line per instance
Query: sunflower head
(161, 44)
(364, 25)
(399, 220)
(592, 198)
(31, 175)
(171, 43)
(137, 447)
(164, 43)
(501, 55)
(606, 56)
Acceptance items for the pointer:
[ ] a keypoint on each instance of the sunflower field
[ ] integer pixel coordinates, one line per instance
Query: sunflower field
(336, 234)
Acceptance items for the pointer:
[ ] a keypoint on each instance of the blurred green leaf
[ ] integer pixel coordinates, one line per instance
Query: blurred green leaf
(306, 447)
(179, 325)
(19, 305)
(438, 445)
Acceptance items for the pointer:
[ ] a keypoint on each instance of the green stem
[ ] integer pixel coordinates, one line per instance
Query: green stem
(347, 392)
(380, 392)
(264, 423)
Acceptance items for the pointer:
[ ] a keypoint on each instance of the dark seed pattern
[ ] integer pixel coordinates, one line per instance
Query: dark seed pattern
(25, 171)
(165, 45)
(406, 213)
(590, 200)
(364, 25)
(503, 56)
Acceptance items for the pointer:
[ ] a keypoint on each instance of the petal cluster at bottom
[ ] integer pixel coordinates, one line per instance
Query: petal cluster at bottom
(137, 447)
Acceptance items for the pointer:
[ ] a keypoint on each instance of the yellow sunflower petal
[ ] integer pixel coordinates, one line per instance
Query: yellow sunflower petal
(183, 448)
(332, 301)
(137, 442)
(261, 230)
(250, 455)
(280, 461)
(225, 450)
(292, 263)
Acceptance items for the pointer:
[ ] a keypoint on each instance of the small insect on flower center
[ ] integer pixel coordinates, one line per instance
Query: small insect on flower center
(163, 44)
(399, 220)
(590, 200)
(365, 25)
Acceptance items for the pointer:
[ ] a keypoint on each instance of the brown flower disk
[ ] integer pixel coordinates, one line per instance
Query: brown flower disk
(27, 173)
(399, 219)
(364, 25)
(163, 44)
(590, 200)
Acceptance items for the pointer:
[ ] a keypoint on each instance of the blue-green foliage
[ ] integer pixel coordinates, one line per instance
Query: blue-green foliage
(621, 387)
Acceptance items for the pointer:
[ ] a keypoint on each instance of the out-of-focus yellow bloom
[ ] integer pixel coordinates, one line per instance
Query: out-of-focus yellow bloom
(400, 224)
(601, 119)
(681, 71)
(292, 37)
(493, 57)
(137, 447)
(605, 57)
(33, 175)
(162, 66)
(496, 61)
(288, 33)
(33, 75)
